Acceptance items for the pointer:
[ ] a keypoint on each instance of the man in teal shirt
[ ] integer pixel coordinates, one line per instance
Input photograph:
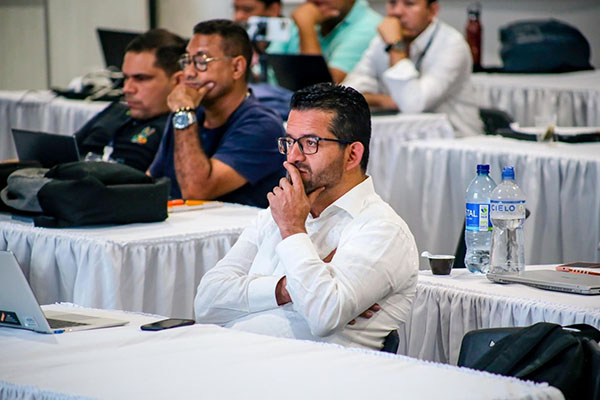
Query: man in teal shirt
(340, 30)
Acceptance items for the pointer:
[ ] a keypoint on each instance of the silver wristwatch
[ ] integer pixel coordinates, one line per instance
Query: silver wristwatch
(398, 46)
(183, 118)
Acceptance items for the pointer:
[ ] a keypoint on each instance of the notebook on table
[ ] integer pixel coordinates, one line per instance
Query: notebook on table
(20, 309)
(47, 148)
(297, 71)
(552, 280)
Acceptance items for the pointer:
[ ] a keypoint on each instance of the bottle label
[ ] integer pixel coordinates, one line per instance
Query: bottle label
(478, 217)
(507, 209)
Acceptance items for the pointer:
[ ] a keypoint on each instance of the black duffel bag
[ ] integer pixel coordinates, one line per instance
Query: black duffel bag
(543, 46)
(92, 193)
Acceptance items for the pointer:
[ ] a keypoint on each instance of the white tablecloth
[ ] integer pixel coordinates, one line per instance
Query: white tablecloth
(208, 362)
(388, 132)
(574, 97)
(41, 111)
(153, 267)
(448, 306)
(561, 183)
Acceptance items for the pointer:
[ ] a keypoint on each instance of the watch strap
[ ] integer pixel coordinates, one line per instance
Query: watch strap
(398, 46)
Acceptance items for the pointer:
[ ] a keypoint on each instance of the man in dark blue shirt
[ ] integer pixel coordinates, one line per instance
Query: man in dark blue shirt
(130, 132)
(220, 143)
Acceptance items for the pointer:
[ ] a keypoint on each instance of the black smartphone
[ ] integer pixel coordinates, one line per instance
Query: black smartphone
(167, 324)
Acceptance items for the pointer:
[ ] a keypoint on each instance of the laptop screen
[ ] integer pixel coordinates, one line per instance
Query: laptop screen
(47, 148)
(113, 45)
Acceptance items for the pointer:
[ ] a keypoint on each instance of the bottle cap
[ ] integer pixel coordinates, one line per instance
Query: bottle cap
(508, 173)
(483, 169)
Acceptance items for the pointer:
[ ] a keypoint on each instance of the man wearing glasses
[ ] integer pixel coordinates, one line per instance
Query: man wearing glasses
(221, 142)
(328, 248)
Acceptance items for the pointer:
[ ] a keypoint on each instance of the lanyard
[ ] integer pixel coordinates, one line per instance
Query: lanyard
(420, 59)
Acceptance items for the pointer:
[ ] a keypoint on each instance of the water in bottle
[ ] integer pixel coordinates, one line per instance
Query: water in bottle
(478, 230)
(507, 212)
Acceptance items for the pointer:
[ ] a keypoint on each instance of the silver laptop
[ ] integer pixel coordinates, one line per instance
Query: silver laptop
(47, 148)
(20, 309)
(553, 280)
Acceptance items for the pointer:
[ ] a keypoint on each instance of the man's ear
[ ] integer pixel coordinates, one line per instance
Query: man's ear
(354, 155)
(239, 67)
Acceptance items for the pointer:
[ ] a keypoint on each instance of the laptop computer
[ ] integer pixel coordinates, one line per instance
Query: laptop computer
(47, 148)
(113, 45)
(297, 71)
(552, 280)
(20, 309)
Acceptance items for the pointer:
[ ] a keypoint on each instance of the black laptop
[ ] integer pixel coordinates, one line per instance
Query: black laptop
(47, 148)
(297, 71)
(113, 45)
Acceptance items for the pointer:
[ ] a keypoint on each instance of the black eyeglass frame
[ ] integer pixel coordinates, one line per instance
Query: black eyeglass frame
(284, 145)
(200, 61)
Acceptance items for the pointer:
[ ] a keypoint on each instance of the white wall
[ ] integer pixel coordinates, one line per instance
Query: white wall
(73, 49)
(22, 45)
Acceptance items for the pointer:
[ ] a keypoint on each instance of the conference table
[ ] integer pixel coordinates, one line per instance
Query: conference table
(561, 182)
(207, 361)
(448, 306)
(573, 97)
(41, 111)
(145, 267)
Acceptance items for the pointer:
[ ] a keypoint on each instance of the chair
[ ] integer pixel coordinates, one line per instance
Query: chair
(461, 246)
(391, 342)
(494, 120)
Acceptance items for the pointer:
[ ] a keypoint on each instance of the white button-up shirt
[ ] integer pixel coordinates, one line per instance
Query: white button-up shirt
(375, 261)
(441, 84)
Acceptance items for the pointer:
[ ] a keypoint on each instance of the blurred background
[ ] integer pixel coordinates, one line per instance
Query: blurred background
(46, 43)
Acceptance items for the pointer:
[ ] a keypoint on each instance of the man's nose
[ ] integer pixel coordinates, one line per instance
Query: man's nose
(397, 10)
(240, 16)
(128, 86)
(294, 153)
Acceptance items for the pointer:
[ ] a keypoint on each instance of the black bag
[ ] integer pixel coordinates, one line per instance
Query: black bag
(567, 358)
(89, 193)
(546, 46)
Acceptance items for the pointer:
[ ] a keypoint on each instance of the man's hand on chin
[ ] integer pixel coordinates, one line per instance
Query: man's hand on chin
(188, 95)
(289, 204)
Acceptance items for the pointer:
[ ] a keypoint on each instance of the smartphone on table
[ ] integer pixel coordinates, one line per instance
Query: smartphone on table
(167, 324)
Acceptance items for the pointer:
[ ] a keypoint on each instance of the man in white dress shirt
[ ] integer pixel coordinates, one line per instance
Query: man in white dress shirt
(417, 64)
(328, 248)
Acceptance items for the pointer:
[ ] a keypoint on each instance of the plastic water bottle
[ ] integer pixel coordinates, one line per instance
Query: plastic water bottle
(478, 230)
(508, 214)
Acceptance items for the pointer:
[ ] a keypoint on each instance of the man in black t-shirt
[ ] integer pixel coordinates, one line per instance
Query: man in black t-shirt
(130, 132)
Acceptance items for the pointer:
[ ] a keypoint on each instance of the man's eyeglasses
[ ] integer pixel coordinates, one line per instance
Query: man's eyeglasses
(200, 61)
(308, 144)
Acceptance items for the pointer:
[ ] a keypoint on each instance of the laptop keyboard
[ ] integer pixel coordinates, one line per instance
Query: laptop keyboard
(60, 323)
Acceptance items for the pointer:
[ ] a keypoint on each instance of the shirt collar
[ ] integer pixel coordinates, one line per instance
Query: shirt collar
(353, 200)
(418, 45)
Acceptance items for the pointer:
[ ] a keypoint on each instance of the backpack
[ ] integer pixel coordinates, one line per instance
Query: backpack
(567, 358)
(546, 46)
(87, 193)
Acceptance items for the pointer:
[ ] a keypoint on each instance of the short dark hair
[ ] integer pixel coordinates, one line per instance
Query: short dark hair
(235, 39)
(167, 48)
(267, 3)
(352, 118)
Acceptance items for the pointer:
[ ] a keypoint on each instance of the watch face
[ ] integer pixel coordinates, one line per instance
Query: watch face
(182, 119)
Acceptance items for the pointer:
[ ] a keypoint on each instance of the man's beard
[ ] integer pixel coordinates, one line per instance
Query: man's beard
(330, 176)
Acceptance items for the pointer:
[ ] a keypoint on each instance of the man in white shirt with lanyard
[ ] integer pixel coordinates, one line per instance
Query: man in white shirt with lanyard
(419, 64)
(328, 248)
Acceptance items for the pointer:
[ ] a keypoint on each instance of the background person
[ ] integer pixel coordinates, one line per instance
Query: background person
(340, 30)
(130, 132)
(328, 248)
(220, 142)
(418, 63)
